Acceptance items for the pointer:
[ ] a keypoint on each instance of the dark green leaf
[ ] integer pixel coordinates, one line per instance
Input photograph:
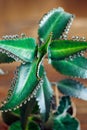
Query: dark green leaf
(66, 122)
(56, 21)
(77, 67)
(32, 125)
(61, 49)
(26, 110)
(5, 59)
(72, 88)
(25, 87)
(9, 117)
(16, 112)
(19, 49)
(16, 126)
(43, 96)
(64, 105)
(42, 51)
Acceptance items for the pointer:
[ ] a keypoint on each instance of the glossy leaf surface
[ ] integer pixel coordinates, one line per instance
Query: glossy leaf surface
(26, 111)
(66, 122)
(72, 88)
(64, 105)
(5, 59)
(25, 85)
(42, 51)
(19, 49)
(54, 21)
(62, 120)
(16, 126)
(61, 49)
(43, 96)
(77, 67)
(32, 125)
(9, 117)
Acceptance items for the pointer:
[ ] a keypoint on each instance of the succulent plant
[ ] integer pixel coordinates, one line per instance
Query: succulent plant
(30, 98)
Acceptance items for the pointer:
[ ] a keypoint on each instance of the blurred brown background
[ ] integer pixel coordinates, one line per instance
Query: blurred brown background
(17, 16)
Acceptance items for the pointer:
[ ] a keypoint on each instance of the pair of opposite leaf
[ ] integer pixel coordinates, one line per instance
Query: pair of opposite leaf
(58, 120)
(30, 78)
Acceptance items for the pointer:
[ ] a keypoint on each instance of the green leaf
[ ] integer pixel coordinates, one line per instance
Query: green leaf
(56, 21)
(64, 105)
(61, 49)
(66, 122)
(16, 126)
(43, 96)
(77, 67)
(26, 110)
(42, 50)
(73, 88)
(32, 125)
(16, 112)
(5, 59)
(19, 49)
(62, 120)
(25, 87)
(9, 117)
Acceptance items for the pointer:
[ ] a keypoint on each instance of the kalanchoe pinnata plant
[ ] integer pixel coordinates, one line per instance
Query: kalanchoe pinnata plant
(29, 104)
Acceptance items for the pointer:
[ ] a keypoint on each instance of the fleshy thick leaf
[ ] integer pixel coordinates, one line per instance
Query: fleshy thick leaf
(61, 49)
(26, 110)
(32, 125)
(56, 21)
(42, 51)
(66, 122)
(10, 117)
(5, 59)
(25, 87)
(16, 126)
(43, 96)
(77, 67)
(64, 105)
(19, 49)
(73, 88)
